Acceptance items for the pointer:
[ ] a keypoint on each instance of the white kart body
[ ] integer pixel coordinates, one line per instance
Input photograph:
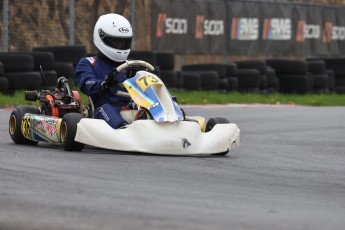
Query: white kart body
(168, 138)
(167, 132)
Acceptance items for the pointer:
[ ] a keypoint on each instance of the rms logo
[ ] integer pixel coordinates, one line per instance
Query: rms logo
(277, 29)
(170, 25)
(245, 29)
(208, 27)
(307, 31)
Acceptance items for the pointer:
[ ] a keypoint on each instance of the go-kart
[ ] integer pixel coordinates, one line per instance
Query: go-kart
(165, 129)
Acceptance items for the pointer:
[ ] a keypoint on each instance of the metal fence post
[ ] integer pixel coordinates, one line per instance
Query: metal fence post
(5, 26)
(133, 23)
(72, 22)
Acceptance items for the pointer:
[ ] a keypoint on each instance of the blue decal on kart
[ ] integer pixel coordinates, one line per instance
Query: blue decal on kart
(140, 92)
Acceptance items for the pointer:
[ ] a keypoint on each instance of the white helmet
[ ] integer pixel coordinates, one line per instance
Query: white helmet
(112, 35)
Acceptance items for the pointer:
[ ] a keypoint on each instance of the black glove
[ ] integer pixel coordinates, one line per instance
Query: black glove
(109, 80)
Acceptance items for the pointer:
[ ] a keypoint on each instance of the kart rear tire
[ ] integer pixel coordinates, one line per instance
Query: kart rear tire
(15, 124)
(214, 121)
(68, 130)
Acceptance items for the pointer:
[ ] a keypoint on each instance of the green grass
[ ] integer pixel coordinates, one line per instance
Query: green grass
(202, 97)
(215, 97)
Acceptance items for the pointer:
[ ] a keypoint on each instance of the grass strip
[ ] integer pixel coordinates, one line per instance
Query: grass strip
(216, 97)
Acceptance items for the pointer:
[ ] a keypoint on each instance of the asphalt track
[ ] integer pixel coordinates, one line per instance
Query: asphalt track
(288, 173)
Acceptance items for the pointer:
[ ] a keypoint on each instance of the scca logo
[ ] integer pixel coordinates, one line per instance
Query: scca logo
(245, 29)
(277, 29)
(170, 25)
(331, 32)
(307, 31)
(208, 27)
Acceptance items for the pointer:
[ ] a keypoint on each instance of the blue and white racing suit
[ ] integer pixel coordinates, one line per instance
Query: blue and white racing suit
(90, 73)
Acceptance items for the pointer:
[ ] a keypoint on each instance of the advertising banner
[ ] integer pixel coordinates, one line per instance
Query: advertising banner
(248, 28)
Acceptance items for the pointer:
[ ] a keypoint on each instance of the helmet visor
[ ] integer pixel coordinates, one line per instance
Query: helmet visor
(115, 42)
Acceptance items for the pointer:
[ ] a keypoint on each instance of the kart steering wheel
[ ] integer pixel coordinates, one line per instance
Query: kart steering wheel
(133, 65)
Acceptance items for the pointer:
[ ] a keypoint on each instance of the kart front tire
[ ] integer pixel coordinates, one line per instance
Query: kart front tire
(68, 130)
(15, 123)
(211, 123)
(214, 121)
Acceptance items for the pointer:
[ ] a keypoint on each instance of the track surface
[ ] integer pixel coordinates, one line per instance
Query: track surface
(288, 173)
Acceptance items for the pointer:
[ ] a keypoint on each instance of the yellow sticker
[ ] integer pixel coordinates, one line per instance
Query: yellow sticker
(146, 80)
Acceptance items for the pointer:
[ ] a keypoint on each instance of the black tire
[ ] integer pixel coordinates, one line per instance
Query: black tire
(147, 56)
(316, 67)
(165, 60)
(210, 125)
(68, 130)
(24, 80)
(232, 84)
(71, 54)
(214, 121)
(44, 59)
(49, 78)
(249, 80)
(253, 64)
(1, 68)
(223, 84)
(169, 77)
(295, 83)
(3, 84)
(288, 66)
(209, 79)
(191, 81)
(17, 62)
(331, 83)
(231, 69)
(15, 123)
(320, 81)
(221, 69)
(65, 69)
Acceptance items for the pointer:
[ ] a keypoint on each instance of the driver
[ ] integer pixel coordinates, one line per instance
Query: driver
(97, 76)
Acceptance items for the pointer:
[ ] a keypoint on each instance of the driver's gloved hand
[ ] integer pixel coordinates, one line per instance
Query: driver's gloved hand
(109, 80)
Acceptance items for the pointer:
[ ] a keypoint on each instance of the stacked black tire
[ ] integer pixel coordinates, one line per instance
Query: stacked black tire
(66, 59)
(335, 70)
(18, 69)
(262, 79)
(293, 75)
(163, 61)
(3, 80)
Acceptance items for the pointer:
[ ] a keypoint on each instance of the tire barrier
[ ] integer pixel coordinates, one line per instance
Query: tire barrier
(248, 80)
(169, 77)
(16, 62)
(23, 80)
(257, 65)
(295, 83)
(70, 54)
(336, 64)
(331, 78)
(147, 56)
(3, 84)
(165, 60)
(232, 84)
(48, 78)
(317, 70)
(65, 69)
(273, 83)
(1, 69)
(293, 75)
(191, 81)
